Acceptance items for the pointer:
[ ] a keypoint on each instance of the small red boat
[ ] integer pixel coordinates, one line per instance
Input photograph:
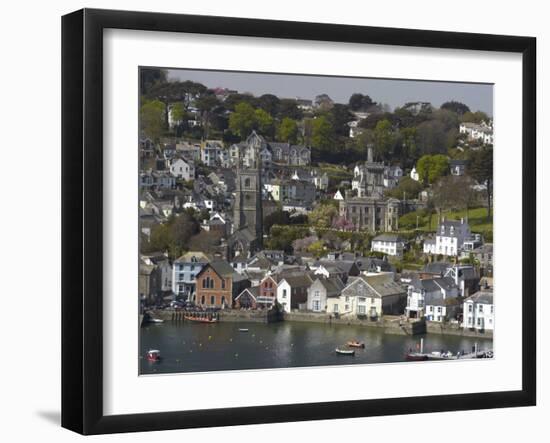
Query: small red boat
(355, 344)
(153, 355)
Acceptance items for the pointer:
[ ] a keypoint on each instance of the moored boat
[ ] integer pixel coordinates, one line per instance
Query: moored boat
(243, 329)
(153, 355)
(155, 320)
(201, 319)
(340, 351)
(356, 344)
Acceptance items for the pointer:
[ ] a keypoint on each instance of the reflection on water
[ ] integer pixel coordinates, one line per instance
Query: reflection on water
(192, 347)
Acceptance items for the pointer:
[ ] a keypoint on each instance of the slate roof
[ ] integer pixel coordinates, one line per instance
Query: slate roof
(222, 268)
(437, 267)
(188, 256)
(389, 237)
(332, 285)
(484, 296)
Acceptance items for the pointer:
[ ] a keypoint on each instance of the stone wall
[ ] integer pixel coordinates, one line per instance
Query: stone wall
(433, 327)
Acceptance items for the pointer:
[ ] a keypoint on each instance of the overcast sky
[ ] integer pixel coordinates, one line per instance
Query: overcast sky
(393, 92)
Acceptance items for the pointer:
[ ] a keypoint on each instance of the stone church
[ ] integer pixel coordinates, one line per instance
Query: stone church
(247, 235)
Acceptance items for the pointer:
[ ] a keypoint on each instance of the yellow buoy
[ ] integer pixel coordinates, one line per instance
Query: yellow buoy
(209, 337)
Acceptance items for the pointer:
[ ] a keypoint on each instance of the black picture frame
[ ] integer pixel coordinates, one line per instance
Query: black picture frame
(82, 159)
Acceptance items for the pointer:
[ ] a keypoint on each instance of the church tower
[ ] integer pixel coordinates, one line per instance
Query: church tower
(247, 210)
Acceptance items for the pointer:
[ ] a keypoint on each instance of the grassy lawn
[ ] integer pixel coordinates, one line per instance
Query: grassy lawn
(477, 219)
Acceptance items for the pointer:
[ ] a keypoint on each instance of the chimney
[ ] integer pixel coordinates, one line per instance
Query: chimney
(462, 220)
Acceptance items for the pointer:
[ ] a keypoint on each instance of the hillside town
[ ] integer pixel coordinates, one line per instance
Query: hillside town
(308, 207)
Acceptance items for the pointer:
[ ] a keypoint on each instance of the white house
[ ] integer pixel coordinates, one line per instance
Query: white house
(427, 298)
(479, 311)
(184, 273)
(182, 169)
(320, 290)
(482, 132)
(429, 245)
(389, 244)
(450, 236)
(292, 291)
(371, 296)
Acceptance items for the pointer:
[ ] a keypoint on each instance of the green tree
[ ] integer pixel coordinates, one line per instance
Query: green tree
(407, 188)
(322, 134)
(360, 102)
(383, 139)
(317, 248)
(431, 167)
(323, 215)
(456, 107)
(206, 104)
(287, 130)
(475, 117)
(269, 103)
(242, 121)
(152, 119)
(263, 122)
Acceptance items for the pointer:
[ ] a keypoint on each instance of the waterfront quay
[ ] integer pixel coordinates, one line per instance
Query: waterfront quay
(388, 324)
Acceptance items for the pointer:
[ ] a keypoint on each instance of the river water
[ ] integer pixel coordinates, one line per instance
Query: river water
(196, 347)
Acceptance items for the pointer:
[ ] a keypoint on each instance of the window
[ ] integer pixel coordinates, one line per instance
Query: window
(346, 307)
(223, 300)
(431, 309)
(362, 309)
(317, 294)
(202, 300)
(205, 282)
(347, 298)
(470, 308)
(316, 305)
(480, 308)
(335, 309)
(247, 183)
(492, 309)
(284, 293)
(223, 283)
(439, 309)
(212, 300)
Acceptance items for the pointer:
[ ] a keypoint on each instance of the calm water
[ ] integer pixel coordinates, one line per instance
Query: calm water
(192, 347)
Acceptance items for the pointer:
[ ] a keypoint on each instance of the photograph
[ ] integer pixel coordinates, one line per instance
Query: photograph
(291, 220)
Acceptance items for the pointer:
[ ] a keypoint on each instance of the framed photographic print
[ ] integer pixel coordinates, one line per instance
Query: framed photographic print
(271, 221)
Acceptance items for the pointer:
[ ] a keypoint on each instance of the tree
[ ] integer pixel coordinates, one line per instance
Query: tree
(278, 217)
(407, 188)
(317, 248)
(242, 121)
(287, 130)
(289, 108)
(431, 167)
(475, 117)
(152, 119)
(302, 244)
(453, 192)
(269, 103)
(322, 134)
(263, 122)
(360, 102)
(339, 116)
(431, 137)
(456, 107)
(206, 105)
(383, 139)
(178, 111)
(481, 170)
(323, 215)
(183, 228)
(323, 102)
(148, 77)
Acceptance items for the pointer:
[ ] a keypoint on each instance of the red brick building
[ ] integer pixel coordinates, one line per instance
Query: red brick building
(218, 285)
